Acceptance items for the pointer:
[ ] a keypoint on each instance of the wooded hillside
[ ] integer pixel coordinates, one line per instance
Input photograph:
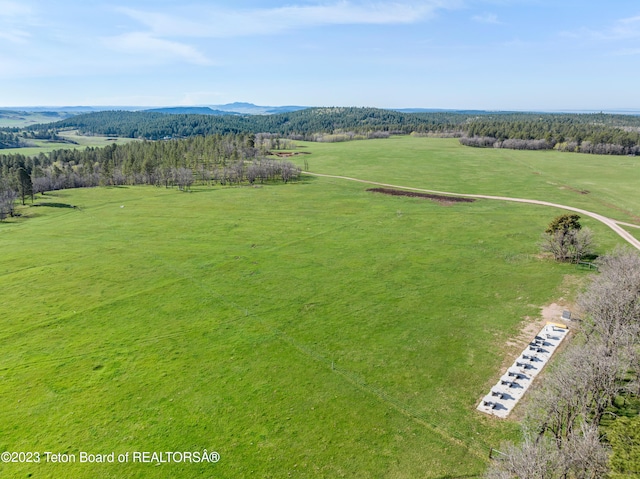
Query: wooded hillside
(587, 133)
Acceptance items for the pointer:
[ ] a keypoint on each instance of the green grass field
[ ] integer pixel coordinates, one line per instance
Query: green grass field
(604, 184)
(81, 142)
(20, 119)
(303, 330)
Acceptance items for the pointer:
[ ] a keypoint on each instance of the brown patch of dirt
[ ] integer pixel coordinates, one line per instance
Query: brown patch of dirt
(441, 199)
(553, 313)
(287, 154)
(532, 326)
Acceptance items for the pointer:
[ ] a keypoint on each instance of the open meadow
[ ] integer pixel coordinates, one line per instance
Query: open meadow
(20, 119)
(79, 142)
(605, 184)
(312, 329)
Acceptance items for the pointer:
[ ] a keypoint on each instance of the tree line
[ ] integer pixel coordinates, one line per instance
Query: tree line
(586, 133)
(222, 159)
(10, 139)
(597, 134)
(563, 433)
(300, 124)
(22, 139)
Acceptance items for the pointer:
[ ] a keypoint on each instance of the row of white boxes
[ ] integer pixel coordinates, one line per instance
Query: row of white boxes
(512, 385)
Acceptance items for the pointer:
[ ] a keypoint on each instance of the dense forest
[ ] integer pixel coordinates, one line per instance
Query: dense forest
(585, 133)
(301, 124)
(600, 134)
(226, 160)
(10, 140)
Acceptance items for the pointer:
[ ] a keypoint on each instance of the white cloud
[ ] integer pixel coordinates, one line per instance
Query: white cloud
(627, 28)
(14, 9)
(13, 16)
(165, 32)
(221, 23)
(623, 29)
(15, 36)
(490, 18)
(156, 48)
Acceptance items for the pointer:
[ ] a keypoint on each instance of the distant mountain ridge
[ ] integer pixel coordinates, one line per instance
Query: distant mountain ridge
(251, 109)
(245, 108)
(191, 110)
(237, 108)
(70, 109)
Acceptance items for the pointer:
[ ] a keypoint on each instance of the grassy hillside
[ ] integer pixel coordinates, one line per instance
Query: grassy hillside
(21, 119)
(604, 184)
(212, 320)
(301, 330)
(79, 142)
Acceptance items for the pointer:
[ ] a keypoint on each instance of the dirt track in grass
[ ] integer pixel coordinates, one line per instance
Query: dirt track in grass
(611, 223)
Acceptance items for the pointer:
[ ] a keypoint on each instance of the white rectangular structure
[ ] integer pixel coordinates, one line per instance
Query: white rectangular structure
(514, 383)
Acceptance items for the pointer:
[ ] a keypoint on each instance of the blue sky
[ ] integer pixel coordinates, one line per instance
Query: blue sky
(459, 54)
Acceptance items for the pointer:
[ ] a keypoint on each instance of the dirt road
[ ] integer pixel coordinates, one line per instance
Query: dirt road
(611, 223)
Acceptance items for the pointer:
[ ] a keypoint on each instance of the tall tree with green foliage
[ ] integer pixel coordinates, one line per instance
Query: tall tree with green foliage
(25, 185)
(566, 239)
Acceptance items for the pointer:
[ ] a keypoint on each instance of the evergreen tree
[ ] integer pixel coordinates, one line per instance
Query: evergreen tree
(25, 185)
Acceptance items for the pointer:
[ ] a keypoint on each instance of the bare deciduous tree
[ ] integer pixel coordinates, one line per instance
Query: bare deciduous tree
(581, 386)
(582, 456)
(183, 178)
(8, 197)
(533, 459)
(253, 172)
(564, 413)
(611, 304)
